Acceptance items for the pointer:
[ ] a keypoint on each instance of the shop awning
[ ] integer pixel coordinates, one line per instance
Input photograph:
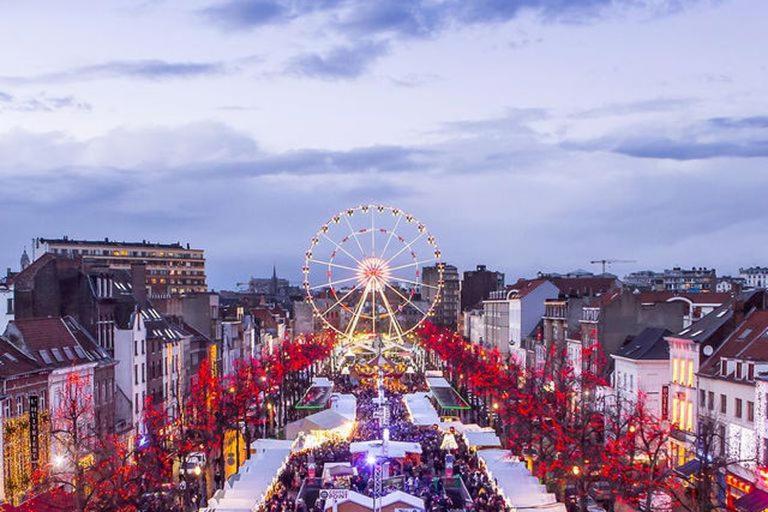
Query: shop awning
(689, 468)
(754, 501)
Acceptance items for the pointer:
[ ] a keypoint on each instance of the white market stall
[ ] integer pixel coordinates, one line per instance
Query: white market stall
(344, 404)
(245, 491)
(392, 501)
(327, 420)
(420, 409)
(483, 438)
(521, 490)
(381, 448)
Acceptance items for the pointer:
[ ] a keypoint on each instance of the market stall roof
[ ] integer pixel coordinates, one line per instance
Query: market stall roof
(520, 489)
(333, 469)
(421, 409)
(485, 438)
(322, 382)
(438, 382)
(316, 396)
(392, 498)
(344, 404)
(245, 490)
(327, 419)
(377, 448)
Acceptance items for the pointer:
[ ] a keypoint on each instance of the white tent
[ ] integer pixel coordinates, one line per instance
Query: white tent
(245, 491)
(366, 502)
(331, 469)
(346, 405)
(485, 438)
(327, 419)
(395, 449)
(421, 410)
(322, 382)
(520, 489)
(437, 382)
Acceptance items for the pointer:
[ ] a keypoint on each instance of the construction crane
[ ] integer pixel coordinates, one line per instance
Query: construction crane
(609, 261)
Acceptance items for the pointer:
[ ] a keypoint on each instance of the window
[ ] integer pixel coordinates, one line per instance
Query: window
(739, 368)
(136, 403)
(723, 368)
(136, 374)
(46, 357)
(143, 373)
(19, 406)
(68, 352)
(135, 347)
(750, 411)
(721, 441)
(751, 371)
(7, 408)
(711, 401)
(739, 405)
(9, 307)
(723, 404)
(702, 398)
(57, 355)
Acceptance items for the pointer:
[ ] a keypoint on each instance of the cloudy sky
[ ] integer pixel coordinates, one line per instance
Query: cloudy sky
(527, 134)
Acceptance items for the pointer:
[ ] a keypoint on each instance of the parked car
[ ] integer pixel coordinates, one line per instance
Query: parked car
(193, 464)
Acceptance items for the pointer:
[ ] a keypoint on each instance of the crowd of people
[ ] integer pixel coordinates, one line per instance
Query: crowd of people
(423, 476)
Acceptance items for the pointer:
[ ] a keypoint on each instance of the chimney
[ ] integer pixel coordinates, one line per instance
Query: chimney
(139, 281)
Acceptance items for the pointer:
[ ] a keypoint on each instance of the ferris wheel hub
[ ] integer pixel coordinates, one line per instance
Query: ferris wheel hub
(373, 272)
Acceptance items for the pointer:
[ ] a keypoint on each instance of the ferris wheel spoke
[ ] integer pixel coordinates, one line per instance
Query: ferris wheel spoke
(407, 246)
(342, 249)
(412, 264)
(331, 264)
(332, 283)
(433, 287)
(406, 299)
(358, 310)
(392, 317)
(391, 234)
(354, 235)
(341, 299)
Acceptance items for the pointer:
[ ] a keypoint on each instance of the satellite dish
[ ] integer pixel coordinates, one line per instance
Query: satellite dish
(708, 350)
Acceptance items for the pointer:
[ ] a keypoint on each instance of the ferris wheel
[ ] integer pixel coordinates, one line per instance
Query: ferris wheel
(373, 270)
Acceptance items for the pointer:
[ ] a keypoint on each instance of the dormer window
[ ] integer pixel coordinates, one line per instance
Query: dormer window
(751, 371)
(723, 368)
(739, 369)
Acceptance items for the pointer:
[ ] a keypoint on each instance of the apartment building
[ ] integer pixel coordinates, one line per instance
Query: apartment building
(171, 268)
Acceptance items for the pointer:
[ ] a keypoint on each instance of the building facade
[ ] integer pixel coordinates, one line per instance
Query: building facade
(477, 286)
(446, 312)
(171, 268)
(511, 315)
(754, 277)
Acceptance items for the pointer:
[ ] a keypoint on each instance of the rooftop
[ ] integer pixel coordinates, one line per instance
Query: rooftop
(749, 342)
(106, 241)
(648, 345)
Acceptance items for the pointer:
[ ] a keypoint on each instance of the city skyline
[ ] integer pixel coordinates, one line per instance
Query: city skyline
(601, 130)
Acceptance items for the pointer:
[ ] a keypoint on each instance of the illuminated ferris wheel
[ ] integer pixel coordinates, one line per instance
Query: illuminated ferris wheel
(364, 272)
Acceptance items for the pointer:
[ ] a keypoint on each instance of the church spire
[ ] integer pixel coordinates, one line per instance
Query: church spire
(273, 285)
(24, 259)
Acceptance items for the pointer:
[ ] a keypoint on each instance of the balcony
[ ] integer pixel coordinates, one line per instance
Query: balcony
(556, 310)
(590, 315)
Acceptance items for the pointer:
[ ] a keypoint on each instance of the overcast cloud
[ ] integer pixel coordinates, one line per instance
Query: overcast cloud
(633, 130)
